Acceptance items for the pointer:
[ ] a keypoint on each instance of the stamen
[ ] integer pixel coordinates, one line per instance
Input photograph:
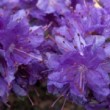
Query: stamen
(85, 3)
(30, 100)
(82, 69)
(64, 92)
(36, 92)
(8, 105)
(47, 26)
(47, 70)
(81, 80)
(30, 55)
(63, 104)
(51, 38)
(56, 100)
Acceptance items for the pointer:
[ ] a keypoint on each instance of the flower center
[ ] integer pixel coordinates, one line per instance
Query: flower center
(82, 68)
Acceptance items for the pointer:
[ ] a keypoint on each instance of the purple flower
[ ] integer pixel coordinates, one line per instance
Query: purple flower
(107, 49)
(28, 75)
(73, 71)
(51, 6)
(7, 69)
(104, 4)
(37, 71)
(3, 88)
(63, 42)
(20, 43)
(19, 90)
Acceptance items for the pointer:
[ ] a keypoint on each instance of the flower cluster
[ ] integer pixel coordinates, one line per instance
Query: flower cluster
(63, 42)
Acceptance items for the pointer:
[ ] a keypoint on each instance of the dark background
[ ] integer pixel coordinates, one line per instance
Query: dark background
(42, 101)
